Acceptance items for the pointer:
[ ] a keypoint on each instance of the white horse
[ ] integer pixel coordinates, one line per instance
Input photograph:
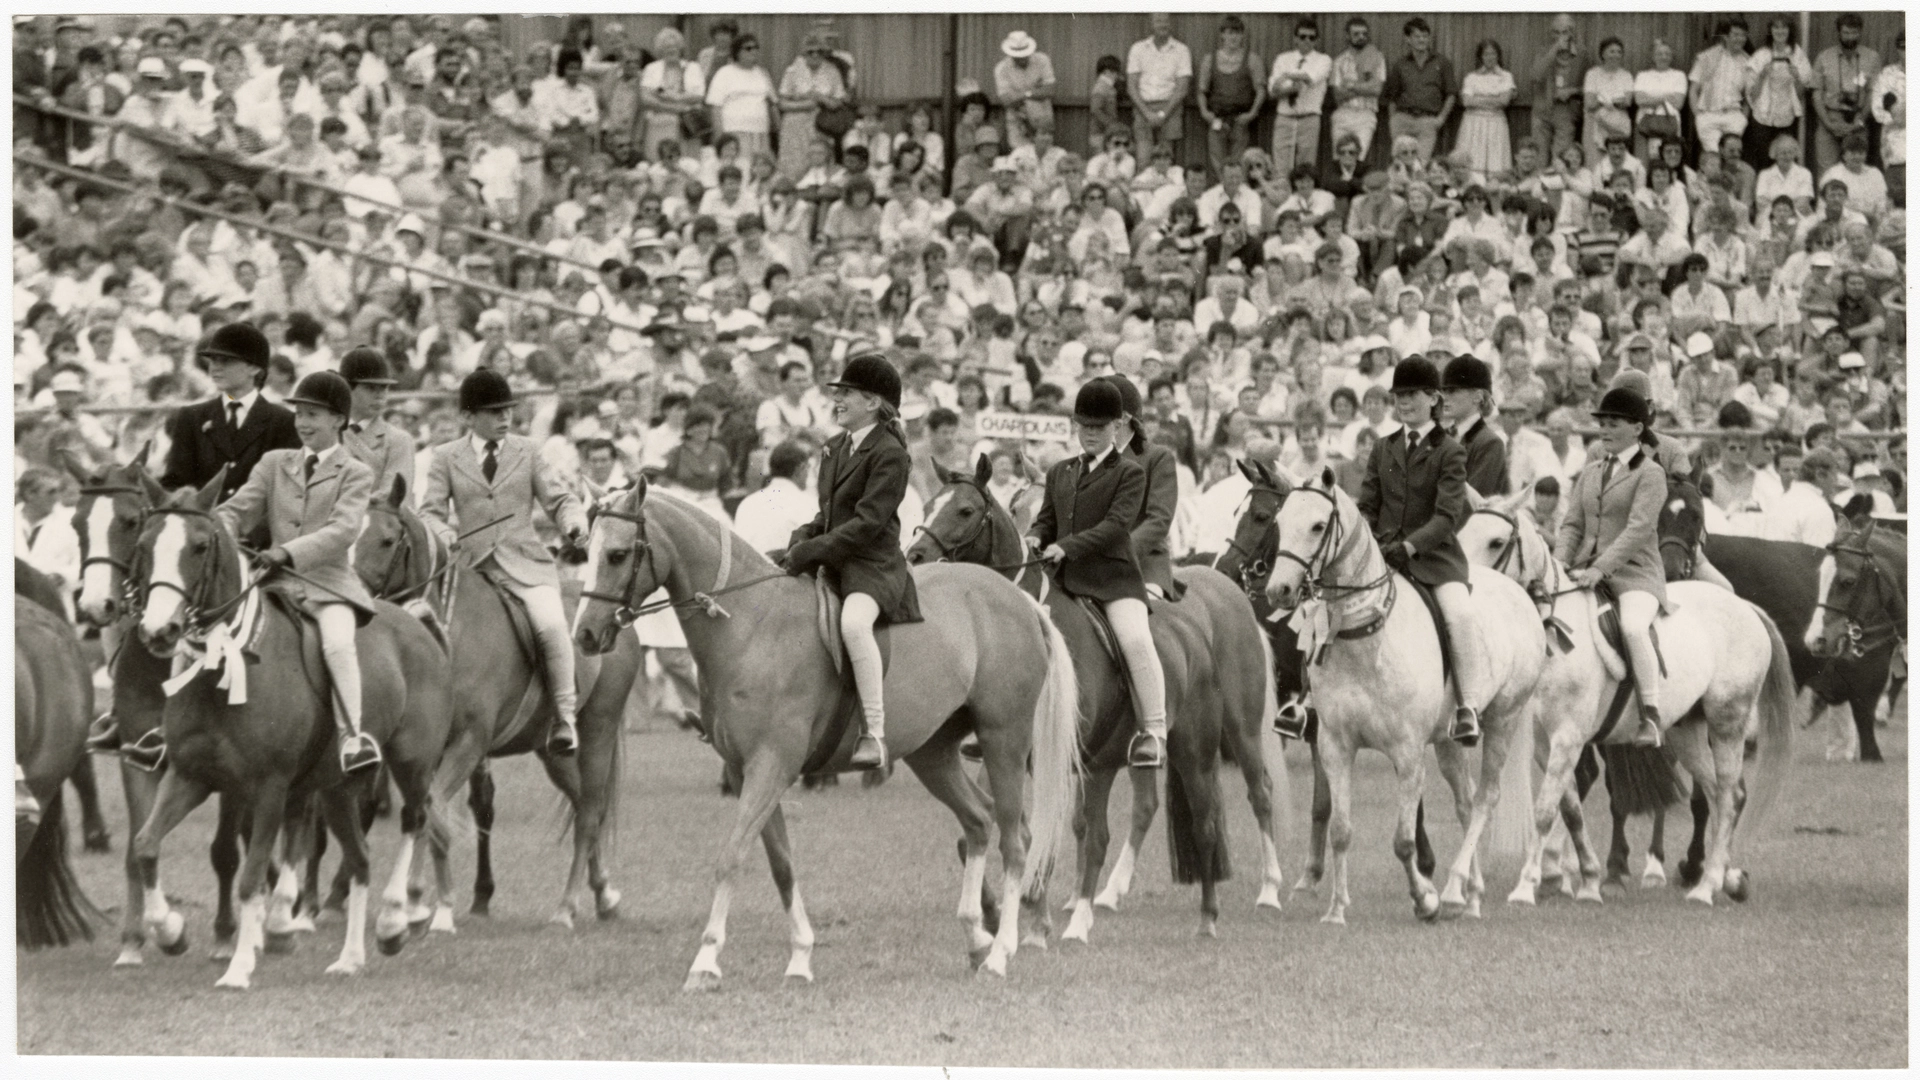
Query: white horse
(1374, 653)
(1724, 657)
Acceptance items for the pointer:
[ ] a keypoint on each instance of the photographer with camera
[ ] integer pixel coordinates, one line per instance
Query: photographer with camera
(1842, 76)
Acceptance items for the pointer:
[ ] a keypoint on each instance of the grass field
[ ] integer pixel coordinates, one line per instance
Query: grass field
(1812, 972)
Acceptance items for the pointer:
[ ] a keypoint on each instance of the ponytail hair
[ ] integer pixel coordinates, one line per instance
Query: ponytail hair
(890, 419)
(1137, 442)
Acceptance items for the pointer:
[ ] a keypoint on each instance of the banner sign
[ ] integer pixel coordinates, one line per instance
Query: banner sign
(1008, 425)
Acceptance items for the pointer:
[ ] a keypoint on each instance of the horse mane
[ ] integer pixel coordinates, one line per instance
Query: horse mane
(754, 558)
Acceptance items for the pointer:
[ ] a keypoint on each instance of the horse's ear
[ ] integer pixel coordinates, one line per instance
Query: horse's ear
(639, 487)
(983, 470)
(1475, 500)
(71, 462)
(1326, 478)
(399, 493)
(1251, 469)
(156, 494)
(140, 459)
(206, 497)
(945, 475)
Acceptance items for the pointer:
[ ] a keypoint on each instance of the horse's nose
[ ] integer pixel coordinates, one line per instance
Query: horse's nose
(915, 557)
(587, 640)
(161, 640)
(1281, 593)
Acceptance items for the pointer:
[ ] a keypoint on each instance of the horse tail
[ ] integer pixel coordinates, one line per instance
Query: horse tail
(1185, 829)
(1272, 751)
(1640, 779)
(51, 909)
(1056, 758)
(1512, 827)
(1777, 699)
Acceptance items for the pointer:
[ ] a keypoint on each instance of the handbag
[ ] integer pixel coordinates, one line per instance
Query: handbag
(696, 123)
(1658, 125)
(834, 120)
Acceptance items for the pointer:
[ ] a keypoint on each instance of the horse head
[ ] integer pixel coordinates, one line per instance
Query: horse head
(1249, 555)
(394, 551)
(1683, 522)
(1862, 595)
(187, 566)
(1312, 541)
(1501, 537)
(107, 519)
(615, 581)
(963, 520)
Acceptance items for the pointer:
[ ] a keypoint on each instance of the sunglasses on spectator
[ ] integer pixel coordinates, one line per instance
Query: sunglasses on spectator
(1308, 35)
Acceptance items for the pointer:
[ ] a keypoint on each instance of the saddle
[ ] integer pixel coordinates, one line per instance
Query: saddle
(517, 616)
(841, 732)
(1439, 627)
(312, 663)
(1608, 619)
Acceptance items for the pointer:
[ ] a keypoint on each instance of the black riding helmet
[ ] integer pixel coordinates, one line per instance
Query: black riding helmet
(237, 341)
(483, 390)
(872, 373)
(1099, 402)
(1416, 373)
(366, 365)
(326, 390)
(1466, 372)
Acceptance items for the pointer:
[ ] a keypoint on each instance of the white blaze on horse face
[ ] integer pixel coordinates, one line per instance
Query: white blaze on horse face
(96, 581)
(590, 576)
(1817, 626)
(353, 549)
(164, 604)
(934, 508)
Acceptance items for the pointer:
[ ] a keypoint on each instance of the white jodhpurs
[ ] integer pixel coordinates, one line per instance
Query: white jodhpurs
(337, 627)
(857, 614)
(1472, 678)
(1129, 619)
(1637, 610)
(550, 630)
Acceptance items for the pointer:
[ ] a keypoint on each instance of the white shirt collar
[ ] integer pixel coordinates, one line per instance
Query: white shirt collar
(854, 439)
(246, 401)
(324, 455)
(480, 446)
(1631, 453)
(1419, 434)
(1099, 459)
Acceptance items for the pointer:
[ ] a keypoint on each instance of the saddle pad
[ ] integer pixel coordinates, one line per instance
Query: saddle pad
(517, 616)
(1609, 618)
(1439, 628)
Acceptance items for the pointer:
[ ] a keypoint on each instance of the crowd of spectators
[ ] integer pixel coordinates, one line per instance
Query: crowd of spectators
(680, 242)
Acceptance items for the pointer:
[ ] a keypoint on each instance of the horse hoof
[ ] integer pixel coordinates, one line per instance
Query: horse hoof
(129, 958)
(221, 953)
(1472, 910)
(1701, 895)
(976, 957)
(1522, 895)
(1034, 939)
(179, 946)
(391, 946)
(1107, 902)
(279, 944)
(607, 904)
(1589, 894)
(1208, 929)
(442, 920)
(300, 924)
(995, 964)
(1654, 876)
(562, 919)
(1269, 896)
(701, 982)
(98, 843)
(343, 967)
(1426, 907)
(236, 982)
(480, 909)
(1074, 935)
(1334, 918)
(1737, 885)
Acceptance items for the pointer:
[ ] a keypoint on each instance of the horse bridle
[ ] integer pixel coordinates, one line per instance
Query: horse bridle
(1256, 564)
(128, 588)
(1513, 547)
(956, 551)
(1332, 546)
(403, 556)
(1857, 643)
(200, 609)
(626, 604)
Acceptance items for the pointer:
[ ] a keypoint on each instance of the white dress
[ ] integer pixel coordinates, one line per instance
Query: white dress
(1483, 131)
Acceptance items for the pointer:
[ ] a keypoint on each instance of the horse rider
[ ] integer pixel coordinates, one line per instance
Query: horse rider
(1611, 534)
(1158, 504)
(379, 445)
(313, 502)
(1466, 391)
(1415, 499)
(1674, 459)
(232, 430)
(490, 473)
(235, 428)
(854, 541)
(1084, 528)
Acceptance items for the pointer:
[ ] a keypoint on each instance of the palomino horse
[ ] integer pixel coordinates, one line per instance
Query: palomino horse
(1861, 614)
(112, 507)
(31, 584)
(1723, 658)
(1378, 682)
(500, 708)
(986, 660)
(52, 703)
(1210, 646)
(269, 739)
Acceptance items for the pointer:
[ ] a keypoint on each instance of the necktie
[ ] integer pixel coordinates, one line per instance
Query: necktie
(233, 414)
(1088, 461)
(312, 462)
(33, 536)
(491, 464)
(1606, 474)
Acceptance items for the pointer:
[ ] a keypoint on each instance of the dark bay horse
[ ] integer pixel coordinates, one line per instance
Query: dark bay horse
(987, 660)
(501, 708)
(52, 705)
(264, 732)
(112, 507)
(1219, 689)
(1860, 617)
(38, 587)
